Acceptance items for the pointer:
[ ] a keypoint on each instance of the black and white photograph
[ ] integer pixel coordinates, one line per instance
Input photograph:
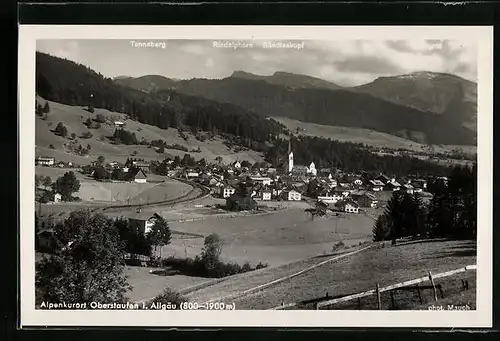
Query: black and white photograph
(242, 178)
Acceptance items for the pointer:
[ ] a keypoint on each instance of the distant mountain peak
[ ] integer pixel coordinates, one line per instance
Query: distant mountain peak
(241, 73)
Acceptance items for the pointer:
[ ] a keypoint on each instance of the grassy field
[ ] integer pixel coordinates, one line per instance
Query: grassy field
(386, 266)
(73, 118)
(277, 238)
(367, 137)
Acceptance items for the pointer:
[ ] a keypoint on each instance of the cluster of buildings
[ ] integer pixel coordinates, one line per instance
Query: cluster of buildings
(51, 162)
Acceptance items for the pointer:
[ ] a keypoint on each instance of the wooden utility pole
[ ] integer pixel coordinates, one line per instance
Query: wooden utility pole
(433, 286)
(379, 305)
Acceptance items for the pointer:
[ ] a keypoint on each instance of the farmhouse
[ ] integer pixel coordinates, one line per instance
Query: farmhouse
(261, 180)
(57, 197)
(350, 206)
(367, 200)
(376, 185)
(140, 176)
(393, 186)
(291, 195)
(226, 191)
(266, 194)
(237, 165)
(142, 222)
(409, 188)
(45, 161)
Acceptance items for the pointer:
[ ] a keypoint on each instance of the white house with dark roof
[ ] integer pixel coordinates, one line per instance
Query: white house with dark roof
(45, 161)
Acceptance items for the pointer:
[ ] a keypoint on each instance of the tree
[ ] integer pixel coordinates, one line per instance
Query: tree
(73, 136)
(168, 297)
(88, 264)
(381, 228)
(100, 159)
(160, 234)
(51, 146)
(246, 164)
(47, 181)
(100, 118)
(212, 248)
(67, 185)
(61, 130)
(46, 108)
(38, 179)
(117, 174)
(100, 173)
(218, 159)
(89, 147)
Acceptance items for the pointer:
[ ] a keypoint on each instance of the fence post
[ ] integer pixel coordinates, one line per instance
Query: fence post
(433, 286)
(359, 303)
(378, 297)
(419, 294)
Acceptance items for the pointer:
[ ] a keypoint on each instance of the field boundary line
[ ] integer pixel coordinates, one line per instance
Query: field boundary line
(282, 279)
(388, 288)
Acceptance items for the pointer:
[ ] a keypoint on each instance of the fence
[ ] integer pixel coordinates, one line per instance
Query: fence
(411, 285)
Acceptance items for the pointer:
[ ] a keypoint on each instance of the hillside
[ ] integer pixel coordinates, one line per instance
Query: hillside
(440, 93)
(66, 82)
(369, 137)
(73, 117)
(340, 107)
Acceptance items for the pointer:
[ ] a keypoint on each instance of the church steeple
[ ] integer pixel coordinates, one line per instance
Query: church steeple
(290, 156)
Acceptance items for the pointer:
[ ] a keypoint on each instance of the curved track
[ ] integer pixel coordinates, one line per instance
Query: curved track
(204, 191)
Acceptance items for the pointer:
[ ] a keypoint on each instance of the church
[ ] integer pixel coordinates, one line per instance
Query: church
(299, 169)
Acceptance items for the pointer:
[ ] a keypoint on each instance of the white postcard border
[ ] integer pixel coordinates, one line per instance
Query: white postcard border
(482, 317)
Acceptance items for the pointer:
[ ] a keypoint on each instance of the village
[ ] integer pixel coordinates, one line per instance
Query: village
(244, 186)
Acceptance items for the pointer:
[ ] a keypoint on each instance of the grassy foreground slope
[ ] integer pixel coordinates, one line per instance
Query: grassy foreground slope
(73, 117)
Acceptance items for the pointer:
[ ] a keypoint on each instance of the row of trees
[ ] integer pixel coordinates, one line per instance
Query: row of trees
(452, 211)
(350, 157)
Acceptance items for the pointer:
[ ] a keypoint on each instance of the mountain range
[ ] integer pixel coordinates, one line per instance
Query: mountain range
(427, 107)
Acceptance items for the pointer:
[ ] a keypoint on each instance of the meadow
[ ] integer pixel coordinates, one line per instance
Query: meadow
(276, 238)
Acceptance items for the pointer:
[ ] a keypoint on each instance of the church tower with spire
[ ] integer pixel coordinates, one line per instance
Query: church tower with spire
(290, 156)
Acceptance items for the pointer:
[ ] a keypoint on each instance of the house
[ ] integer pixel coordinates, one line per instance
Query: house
(291, 195)
(144, 166)
(266, 194)
(226, 191)
(376, 185)
(300, 170)
(45, 161)
(119, 124)
(409, 188)
(142, 221)
(192, 175)
(140, 176)
(261, 180)
(367, 200)
(419, 183)
(237, 165)
(383, 178)
(393, 186)
(240, 202)
(358, 182)
(350, 206)
(57, 197)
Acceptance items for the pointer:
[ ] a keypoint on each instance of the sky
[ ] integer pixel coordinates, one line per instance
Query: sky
(344, 62)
